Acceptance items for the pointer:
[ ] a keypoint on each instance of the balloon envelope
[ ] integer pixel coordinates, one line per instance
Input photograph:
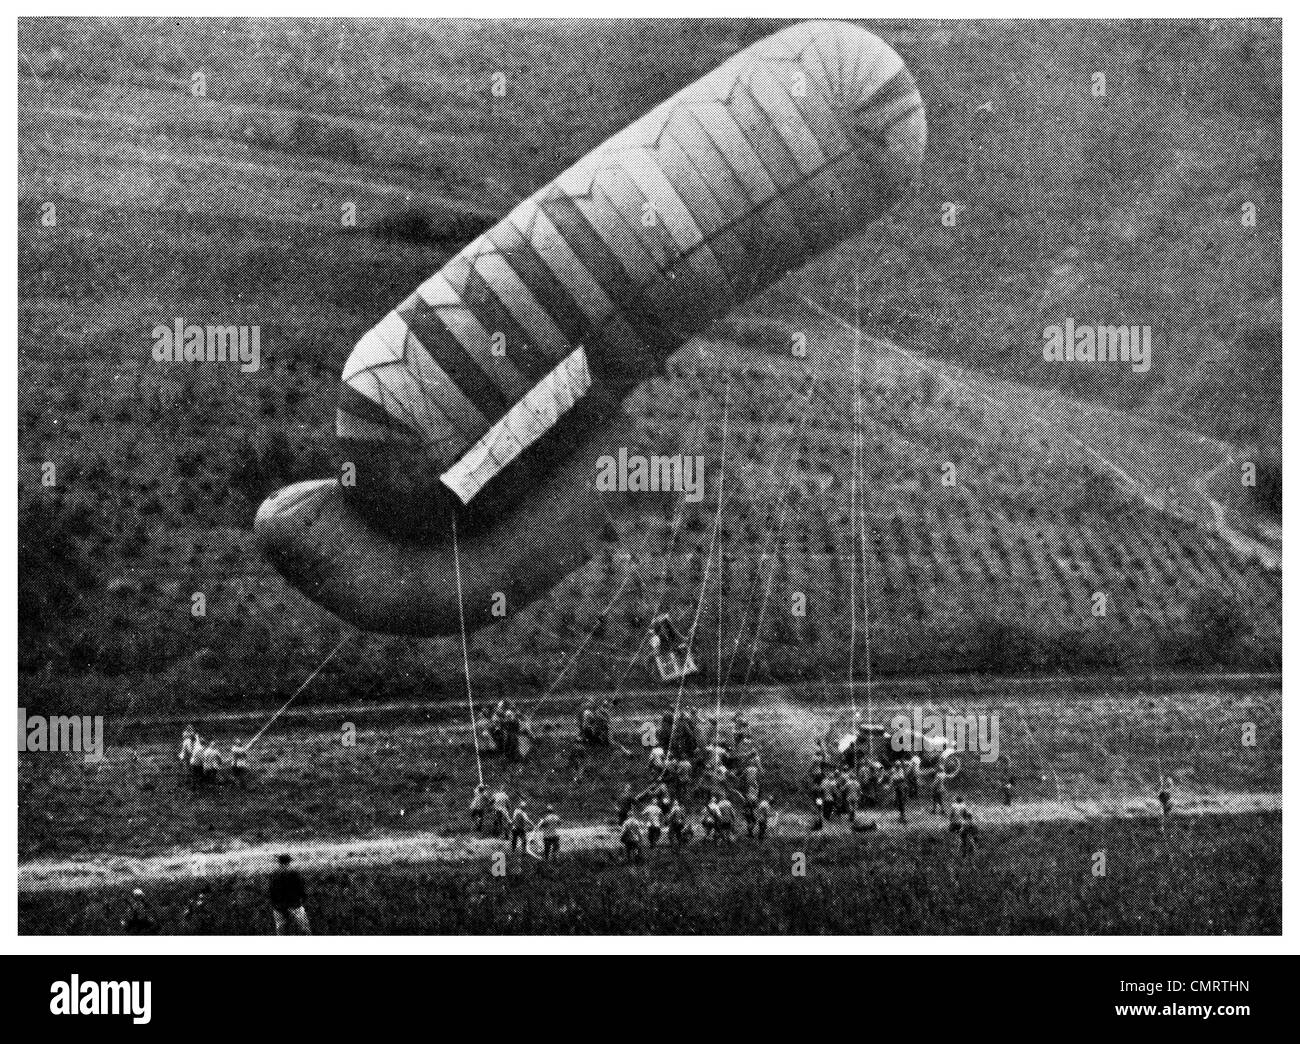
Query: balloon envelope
(490, 392)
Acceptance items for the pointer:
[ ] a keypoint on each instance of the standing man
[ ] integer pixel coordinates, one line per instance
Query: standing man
(1166, 796)
(478, 806)
(677, 824)
(969, 833)
(239, 763)
(550, 827)
(914, 776)
(939, 791)
(899, 780)
(500, 814)
(653, 816)
(726, 815)
(287, 894)
(630, 835)
(956, 815)
(211, 763)
(187, 748)
(762, 816)
(626, 799)
(520, 824)
(196, 759)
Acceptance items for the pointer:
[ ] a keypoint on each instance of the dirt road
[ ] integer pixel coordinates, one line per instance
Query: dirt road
(431, 847)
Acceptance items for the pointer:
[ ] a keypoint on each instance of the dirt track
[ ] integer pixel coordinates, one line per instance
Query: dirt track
(430, 847)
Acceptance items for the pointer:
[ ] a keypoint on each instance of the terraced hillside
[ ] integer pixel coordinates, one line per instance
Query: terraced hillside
(140, 203)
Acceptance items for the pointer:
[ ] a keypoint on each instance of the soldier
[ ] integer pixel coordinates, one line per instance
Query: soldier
(852, 794)
(550, 827)
(898, 779)
(520, 824)
(677, 824)
(1008, 788)
(211, 763)
(1167, 796)
(939, 792)
(630, 834)
(239, 763)
(968, 833)
(683, 777)
(287, 894)
(479, 805)
(870, 776)
(710, 819)
(187, 748)
(626, 799)
(653, 816)
(500, 813)
(914, 776)
(955, 814)
(196, 760)
(726, 815)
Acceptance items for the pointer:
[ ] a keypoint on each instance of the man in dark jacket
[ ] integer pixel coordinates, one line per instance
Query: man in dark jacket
(287, 894)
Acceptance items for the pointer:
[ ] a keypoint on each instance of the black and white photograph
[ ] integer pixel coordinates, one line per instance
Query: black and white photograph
(649, 477)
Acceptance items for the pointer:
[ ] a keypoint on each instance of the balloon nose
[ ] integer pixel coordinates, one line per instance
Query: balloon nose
(283, 527)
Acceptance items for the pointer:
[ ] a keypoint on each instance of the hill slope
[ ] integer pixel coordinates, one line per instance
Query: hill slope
(227, 208)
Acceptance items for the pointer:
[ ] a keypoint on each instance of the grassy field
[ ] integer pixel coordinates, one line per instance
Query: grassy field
(226, 208)
(1100, 748)
(1208, 875)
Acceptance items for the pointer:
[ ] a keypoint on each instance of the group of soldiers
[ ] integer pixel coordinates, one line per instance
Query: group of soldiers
(508, 732)
(202, 762)
(594, 721)
(512, 820)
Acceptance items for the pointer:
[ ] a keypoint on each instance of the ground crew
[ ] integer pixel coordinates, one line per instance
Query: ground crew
(710, 819)
(520, 824)
(626, 800)
(677, 824)
(852, 795)
(1008, 788)
(914, 776)
(939, 792)
(726, 813)
(870, 777)
(211, 762)
(830, 797)
(653, 816)
(956, 813)
(968, 833)
(683, 777)
(479, 805)
(187, 748)
(1167, 796)
(196, 759)
(550, 827)
(288, 894)
(239, 763)
(898, 778)
(631, 836)
(500, 813)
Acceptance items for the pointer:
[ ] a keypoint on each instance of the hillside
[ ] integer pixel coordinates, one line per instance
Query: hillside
(226, 208)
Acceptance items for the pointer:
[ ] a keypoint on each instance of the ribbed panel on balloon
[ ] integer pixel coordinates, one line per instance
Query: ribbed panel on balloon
(794, 144)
